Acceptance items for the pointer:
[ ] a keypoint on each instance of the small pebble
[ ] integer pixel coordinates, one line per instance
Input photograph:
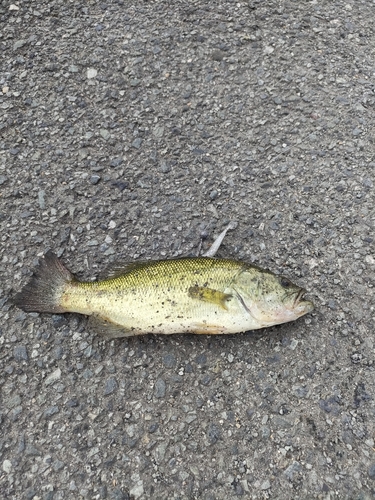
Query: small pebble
(110, 386)
(30, 494)
(116, 162)
(31, 451)
(137, 491)
(371, 471)
(164, 168)
(137, 143)
(7, 466)
(58, 352)
(42, 203)
(160, 387)
(169, 360)
(201, 359)
(20, 353)
(58, 465)
(91, 73)
(213, 433)
(293, 344)
(268, 49)
(217, 55)
(153, 428)
(206, 379)
(59, 320)
(356, 357)
(265, 485)
(134, 82)
(292, 470)
(19, 44)
(265, 431)
(104, 133)
(51, 410)
(158, 131)
(53, 377)
(94, 179)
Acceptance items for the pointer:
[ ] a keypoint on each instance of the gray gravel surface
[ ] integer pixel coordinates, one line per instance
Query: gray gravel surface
(130, 129)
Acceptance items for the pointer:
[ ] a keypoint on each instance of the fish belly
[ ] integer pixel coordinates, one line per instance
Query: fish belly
(167, 315)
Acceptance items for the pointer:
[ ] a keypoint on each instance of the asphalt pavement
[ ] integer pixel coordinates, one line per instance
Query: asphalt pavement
(132, 130)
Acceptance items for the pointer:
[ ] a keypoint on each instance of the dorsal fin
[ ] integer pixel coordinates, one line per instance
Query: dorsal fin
(120, 268)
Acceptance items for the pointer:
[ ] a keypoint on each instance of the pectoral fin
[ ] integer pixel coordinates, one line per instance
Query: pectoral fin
(110, 330)
(209, 295)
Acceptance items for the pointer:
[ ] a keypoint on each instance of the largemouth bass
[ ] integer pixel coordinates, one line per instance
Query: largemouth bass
(200, 295)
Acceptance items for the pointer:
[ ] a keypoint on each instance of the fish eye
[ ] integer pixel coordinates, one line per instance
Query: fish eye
(284, 282)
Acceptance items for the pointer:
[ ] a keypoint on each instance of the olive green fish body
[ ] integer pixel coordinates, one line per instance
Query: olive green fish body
(189, 295)
(184, 295)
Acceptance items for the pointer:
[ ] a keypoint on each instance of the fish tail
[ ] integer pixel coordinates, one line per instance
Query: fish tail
(43, 292)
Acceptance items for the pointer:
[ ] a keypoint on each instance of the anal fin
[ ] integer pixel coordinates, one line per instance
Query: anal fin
(110, 330)
(206, 329)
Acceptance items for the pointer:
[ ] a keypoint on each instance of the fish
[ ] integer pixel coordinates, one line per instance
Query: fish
(198, 295)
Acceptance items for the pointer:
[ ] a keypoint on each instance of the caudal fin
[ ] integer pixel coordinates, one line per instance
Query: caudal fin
(43, 292)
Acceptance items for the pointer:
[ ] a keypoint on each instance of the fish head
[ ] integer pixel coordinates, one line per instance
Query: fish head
(271, 299)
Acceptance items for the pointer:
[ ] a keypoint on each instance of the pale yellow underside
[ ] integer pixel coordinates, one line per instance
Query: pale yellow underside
(165, 313)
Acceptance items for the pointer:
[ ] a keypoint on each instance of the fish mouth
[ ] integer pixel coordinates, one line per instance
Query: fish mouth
(299, 297)
(301, 304)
